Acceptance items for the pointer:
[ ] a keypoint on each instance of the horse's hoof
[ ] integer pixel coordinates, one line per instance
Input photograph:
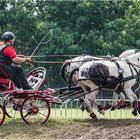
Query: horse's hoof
(96, 119)
(102, 112)
(82, 108)
(113, 108)
(134, 113)
(87, 109)
(107, 107)
(121, 106)
(81, 100)
(93, 115)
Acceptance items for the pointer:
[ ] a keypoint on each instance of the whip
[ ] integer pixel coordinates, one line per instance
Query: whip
(41, 42)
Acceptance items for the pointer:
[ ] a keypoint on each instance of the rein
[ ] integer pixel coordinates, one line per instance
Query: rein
(133, 65)
(68, 62)
(58, 62)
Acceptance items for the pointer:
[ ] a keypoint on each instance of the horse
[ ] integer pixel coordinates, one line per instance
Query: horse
(119, 76)
(128, 53)
(78, 61)
(73, 63)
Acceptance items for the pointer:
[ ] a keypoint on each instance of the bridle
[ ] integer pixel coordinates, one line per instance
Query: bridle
(133, 65)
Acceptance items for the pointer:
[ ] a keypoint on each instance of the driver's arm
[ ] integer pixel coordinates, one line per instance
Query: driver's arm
(19, 60)
(9, 51)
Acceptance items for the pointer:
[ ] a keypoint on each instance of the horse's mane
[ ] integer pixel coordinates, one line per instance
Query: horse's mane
(128, 53)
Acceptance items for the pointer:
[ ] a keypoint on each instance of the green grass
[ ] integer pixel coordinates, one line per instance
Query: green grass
(77, 113)
(17, 129)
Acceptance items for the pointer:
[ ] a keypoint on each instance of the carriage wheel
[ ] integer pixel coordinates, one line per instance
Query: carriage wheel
(35, 109)
(2, 115)
(11, 108)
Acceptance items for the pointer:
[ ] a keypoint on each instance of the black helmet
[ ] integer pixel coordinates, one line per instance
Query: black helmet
(8, 36)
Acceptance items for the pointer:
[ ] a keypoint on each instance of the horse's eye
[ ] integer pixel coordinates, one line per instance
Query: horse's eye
(138, 59)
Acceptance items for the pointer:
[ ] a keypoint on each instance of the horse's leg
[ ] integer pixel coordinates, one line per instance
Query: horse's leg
(118, 103)
(91, 98)
(133, 99)
(121, 103)
(135, 104)
(122, 96)
(87, 103)
(84, 102)
(114, 102)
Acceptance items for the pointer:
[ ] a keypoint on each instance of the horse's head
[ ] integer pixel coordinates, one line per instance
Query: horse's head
(127, 53)
(134, 60)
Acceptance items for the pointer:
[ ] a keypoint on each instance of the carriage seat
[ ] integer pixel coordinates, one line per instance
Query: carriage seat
(36, 77)
(34, 82)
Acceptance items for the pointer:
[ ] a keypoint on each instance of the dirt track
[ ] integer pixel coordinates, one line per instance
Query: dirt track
(103, 129)
(114, 129)
(72, 129)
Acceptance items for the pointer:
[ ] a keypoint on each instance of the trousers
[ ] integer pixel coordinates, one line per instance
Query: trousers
(16, 74)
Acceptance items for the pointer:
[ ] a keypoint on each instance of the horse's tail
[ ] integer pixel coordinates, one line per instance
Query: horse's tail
(71, 75)
(62, 71)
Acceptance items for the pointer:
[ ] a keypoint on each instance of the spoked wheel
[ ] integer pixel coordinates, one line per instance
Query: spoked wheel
(2, 115)
(35, 109)
(11, 108)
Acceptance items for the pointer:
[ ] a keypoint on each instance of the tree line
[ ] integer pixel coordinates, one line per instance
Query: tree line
(79, 27)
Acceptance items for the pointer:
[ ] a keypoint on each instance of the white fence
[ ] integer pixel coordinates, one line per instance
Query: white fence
(72, 110)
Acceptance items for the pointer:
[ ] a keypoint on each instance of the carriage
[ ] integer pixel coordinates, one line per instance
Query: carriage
(33, 105)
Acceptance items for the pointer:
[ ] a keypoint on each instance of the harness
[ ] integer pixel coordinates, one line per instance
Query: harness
(121, 82)
(98, 75)
(3, 58)
(121, 78)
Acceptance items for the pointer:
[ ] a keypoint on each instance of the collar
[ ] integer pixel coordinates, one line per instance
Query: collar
(8, 43)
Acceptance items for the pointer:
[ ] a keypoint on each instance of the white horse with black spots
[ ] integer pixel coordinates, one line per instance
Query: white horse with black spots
(105, 74)
(76, 62)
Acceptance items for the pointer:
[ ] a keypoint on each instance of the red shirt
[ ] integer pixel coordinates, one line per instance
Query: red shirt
(9, 51)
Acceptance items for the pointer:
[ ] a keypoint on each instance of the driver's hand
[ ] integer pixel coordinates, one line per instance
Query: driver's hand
(29, 61)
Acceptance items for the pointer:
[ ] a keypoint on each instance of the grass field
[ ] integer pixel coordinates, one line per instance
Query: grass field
(77, 113)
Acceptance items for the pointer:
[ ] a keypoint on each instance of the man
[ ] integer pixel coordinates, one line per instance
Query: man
(7, 56)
